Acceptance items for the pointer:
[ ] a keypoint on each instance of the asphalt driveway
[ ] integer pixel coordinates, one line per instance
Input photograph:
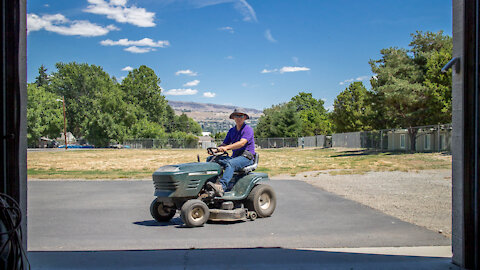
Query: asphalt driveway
(114, 215)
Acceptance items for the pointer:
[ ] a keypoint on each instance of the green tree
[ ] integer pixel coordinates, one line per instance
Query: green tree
(95, 105)
(182, 123)
(220, 135)
(400, 84)
(44, 114)
(408, 88)
(303, 115)
(279, 121)
(142, 87)
(42, 78)
(170, 119)
(181, 139)
(81, 85)
(431, 52)
(439, 88)
(313, 116)
(352, 109)
(104, 112)
(107, 121)
(145, 129)
(194, 127)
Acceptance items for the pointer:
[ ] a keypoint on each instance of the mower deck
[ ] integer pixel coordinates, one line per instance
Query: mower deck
(228, 215)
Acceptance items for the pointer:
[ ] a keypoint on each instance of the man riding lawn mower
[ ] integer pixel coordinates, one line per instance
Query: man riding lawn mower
(193, 187)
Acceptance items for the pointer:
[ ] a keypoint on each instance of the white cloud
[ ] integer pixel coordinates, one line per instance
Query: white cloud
(227, 29)
(241, 6)
(186, 72)
(59, 24)
(285, 70)
(209, 94)
(362, 78)
(146, 42)
(347, 81)
(137, 46)
(119, 11)
(229, 57)
(358, 79)
(293, 69)
(246, 10)
(181, 92)
(135, 49)
(192, 83)
(127, 68)
(112, 27)
(244, 84)
(269, 37)
(118, 2)
(269, 70)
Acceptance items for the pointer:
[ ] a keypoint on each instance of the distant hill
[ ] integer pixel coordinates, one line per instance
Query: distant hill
(212, 117)
(207, 107)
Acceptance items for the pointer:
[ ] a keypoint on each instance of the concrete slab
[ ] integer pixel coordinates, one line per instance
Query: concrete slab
(259, 258)
(428, 251)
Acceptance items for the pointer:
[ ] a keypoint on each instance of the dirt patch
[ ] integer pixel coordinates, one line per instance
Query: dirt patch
(423, 198)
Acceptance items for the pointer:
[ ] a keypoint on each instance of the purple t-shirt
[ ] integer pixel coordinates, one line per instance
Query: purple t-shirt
(234, 135)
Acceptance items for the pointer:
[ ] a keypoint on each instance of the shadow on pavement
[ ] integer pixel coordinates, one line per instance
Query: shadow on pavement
(243, 258)
(178, 223)
(353, 153)
(153, 223)
(366, 152)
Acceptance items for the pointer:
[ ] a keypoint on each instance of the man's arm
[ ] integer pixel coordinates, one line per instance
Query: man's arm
(233, 146)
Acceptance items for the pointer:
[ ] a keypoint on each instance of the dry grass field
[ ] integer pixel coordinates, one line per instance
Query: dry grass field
(139, 164)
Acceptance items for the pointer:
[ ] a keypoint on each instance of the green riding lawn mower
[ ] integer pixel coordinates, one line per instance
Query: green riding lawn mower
(184, 187)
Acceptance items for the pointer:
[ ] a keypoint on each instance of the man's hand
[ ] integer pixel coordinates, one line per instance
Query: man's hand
(233, 146)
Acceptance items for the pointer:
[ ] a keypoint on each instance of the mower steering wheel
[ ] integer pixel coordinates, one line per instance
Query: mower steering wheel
(214, 151)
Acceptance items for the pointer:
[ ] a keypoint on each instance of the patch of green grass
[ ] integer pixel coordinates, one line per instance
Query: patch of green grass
(262, 169)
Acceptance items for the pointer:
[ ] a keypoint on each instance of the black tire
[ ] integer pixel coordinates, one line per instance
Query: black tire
(161, 213)
(262, 199)
(194, 213)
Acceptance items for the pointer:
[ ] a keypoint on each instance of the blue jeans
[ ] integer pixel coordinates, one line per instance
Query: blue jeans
(231, 165)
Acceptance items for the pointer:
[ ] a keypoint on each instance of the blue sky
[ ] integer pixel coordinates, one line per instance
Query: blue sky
(249, 53)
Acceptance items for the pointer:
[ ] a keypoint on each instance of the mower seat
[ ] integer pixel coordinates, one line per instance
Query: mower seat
(252, 167)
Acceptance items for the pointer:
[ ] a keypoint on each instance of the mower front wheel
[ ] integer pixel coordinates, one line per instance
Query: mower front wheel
(161, 213)
(194, 213)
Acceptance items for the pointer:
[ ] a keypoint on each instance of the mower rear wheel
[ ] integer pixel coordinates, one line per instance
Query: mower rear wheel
(161, 213)
(262, 200)
(194, 213)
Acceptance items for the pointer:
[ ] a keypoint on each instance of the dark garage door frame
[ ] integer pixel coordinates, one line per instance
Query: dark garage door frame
(466, 147)
(13, 157)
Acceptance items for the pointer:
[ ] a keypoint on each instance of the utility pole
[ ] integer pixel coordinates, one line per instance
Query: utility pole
(64, 122)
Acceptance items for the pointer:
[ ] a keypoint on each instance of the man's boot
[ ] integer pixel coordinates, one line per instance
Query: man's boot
(217, 187)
